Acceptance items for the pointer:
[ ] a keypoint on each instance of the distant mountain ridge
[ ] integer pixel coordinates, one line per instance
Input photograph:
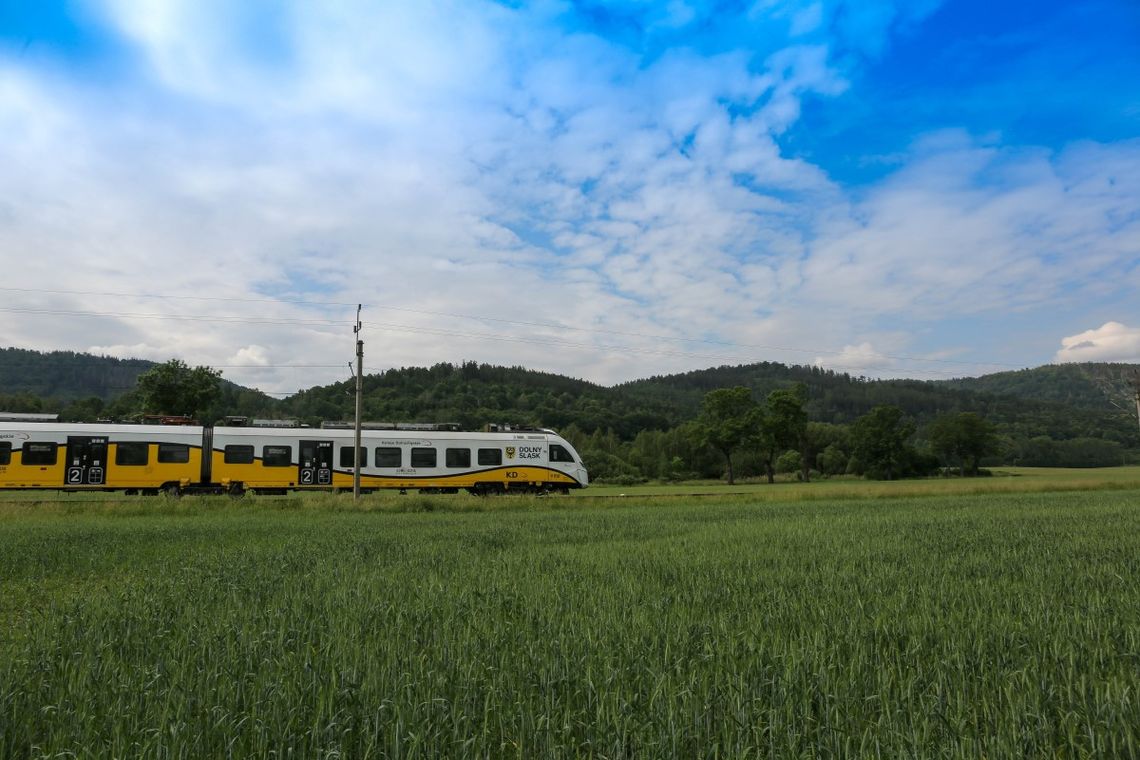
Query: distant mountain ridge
(1046, 401)
(67, 375)
(1057, 401)
(1102, 385)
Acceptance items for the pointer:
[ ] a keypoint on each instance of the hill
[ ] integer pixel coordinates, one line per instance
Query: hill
(66, 375)
(1089, 386)
(83, 386)
(1060, 402)
(1024, 404)
(474, 394)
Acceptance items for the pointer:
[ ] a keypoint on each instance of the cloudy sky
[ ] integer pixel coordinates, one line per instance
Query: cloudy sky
(605, 190)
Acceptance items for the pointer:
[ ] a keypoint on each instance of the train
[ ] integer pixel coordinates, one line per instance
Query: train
(181, 459)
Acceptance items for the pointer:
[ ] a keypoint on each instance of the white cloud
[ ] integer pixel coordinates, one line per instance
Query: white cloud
(968, 228)
(1111, 342)
(255, 355)
(862, 356)
(133, 351)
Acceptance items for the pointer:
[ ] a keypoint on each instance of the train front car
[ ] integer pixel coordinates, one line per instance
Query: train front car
(424, 457)
(487, 462)
(524, 461)
(566, 460)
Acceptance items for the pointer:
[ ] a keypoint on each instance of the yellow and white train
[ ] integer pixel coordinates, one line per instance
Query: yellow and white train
(206, 459)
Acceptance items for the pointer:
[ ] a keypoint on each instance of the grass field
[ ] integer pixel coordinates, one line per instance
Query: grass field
(1004, 480)
(866, 620)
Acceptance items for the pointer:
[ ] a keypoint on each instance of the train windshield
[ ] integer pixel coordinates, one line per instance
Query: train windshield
(559, 453)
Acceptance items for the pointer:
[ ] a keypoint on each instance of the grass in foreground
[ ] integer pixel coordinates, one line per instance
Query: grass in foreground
(955, 626)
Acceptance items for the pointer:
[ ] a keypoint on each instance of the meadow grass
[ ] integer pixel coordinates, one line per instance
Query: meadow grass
(932, 625)
(1005, 480)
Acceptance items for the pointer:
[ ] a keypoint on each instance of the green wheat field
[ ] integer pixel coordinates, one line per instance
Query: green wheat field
(943, 619)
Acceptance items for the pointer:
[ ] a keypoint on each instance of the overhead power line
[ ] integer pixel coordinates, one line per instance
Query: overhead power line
(230, 319)
(239, 319)
(227, 319)
(624, 349)
(169, 297)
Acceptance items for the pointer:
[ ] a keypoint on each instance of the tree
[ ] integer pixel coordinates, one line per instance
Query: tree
(783, 425)
(880, 438)
(727, 420)
(963, 437)
(832, 460)
(85, 410)
(789, 461)
(820, 439)
(175, 388)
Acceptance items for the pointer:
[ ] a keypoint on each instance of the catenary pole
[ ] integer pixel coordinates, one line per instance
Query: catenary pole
(1136, 389)
(359, 391)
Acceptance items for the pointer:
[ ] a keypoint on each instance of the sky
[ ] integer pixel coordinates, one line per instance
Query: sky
(605, 190)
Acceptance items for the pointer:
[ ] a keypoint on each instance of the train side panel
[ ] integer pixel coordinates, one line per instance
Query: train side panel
(154, 460)
(30, 461)
(98, 457)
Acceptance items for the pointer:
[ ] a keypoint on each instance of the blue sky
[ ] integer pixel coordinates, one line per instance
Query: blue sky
(607, 190)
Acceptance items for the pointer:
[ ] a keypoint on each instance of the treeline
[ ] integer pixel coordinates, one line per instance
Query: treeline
(1087, 385)
(736, 436)
(61, 377)
(227, 399)
(841, 398)
(474, 394)
(230, 399)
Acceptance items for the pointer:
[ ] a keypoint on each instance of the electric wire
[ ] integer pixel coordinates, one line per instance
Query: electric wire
(552, 325)
(221, 318)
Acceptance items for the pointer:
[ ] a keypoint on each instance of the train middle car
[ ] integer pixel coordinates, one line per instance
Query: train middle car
(205, 459)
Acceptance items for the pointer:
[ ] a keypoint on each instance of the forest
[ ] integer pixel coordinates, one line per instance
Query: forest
(666, 427)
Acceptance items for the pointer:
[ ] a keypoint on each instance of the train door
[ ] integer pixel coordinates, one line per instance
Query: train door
(316, 463)
(86, 461)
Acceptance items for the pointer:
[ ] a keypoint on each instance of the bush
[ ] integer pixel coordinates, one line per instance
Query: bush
(621, 480)
(789, 461)
(832, 461)
(1078, 452)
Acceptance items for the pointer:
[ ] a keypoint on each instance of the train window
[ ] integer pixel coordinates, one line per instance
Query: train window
(277, 456)
(389, 456)
(132, 454)
(458, 457)
(5, 452)
(173, 453)
(490, 456)
(239, 454)
(423, 457)
(346, 457)
(559, 454)
(39, 453)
